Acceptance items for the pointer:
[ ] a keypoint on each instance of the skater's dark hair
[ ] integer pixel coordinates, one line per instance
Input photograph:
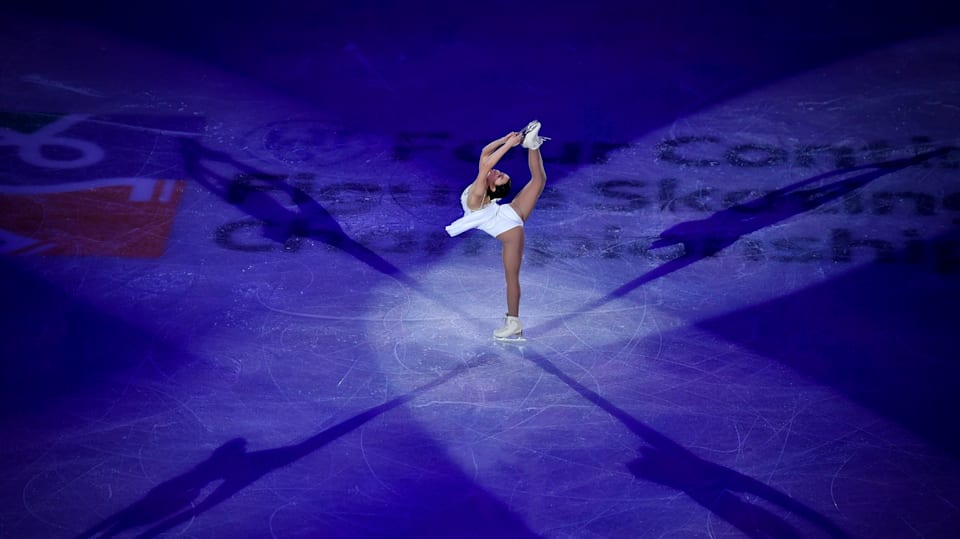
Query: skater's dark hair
(499, 191)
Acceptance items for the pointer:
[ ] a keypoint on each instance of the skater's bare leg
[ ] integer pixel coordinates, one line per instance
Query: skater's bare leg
(527, 198)
(512, 247)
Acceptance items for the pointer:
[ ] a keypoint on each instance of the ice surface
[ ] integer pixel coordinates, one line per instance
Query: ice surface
(230, 307)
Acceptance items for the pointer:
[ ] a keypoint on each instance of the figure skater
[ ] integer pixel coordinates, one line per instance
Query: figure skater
(482, 210)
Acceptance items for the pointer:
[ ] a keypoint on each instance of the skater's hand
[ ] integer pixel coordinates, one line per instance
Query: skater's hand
(492, 152)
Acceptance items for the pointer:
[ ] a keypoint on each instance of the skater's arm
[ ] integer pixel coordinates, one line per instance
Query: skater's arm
(493, 152)
(489, 148)
(478, 189)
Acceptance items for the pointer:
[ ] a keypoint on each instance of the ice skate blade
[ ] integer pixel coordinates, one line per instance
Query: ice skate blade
(530, 126)
(514, 338)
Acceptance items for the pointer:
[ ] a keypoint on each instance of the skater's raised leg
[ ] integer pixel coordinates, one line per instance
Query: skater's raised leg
(527, 198)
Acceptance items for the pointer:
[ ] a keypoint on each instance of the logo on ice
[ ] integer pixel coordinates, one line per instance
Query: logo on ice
(75, 185)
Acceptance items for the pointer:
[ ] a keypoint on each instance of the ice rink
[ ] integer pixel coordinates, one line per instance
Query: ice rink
(230, 308)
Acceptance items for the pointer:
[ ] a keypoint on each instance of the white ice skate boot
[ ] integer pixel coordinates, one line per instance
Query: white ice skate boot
(529, 127)
(512, 330)
(531, 136)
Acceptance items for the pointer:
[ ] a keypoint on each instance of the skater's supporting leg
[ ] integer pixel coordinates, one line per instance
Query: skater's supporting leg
(527, 198)
(512, 248)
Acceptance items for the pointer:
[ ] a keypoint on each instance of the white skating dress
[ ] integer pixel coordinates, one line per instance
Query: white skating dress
(493, 218)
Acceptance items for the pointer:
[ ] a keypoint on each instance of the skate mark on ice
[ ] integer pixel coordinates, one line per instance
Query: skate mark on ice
(280, 224)
(721, 490)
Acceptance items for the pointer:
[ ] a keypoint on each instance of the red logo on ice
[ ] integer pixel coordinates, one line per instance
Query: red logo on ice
(76, 185)
(130, 218)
